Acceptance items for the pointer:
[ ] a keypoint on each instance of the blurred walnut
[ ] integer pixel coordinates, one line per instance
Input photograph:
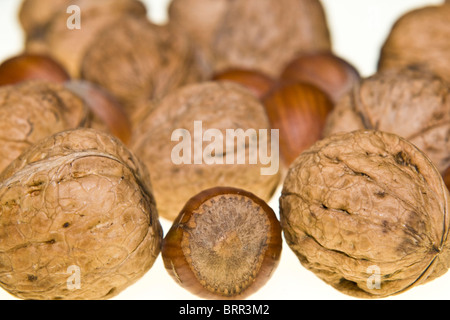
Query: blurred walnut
(367, 213)
(420, 38)
(262, 35)
(34, 15)
(76, 208)
(410, 103)
(31, 111)
(137, 60)
(69, 46)
(199, 137)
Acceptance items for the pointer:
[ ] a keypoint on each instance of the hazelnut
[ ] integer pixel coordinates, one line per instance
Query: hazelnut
(299, 111)
(31, 67)
(410, 103)
(446, 176)
(33, 110)
(257, 82)
(366, 212)
(173, 141)
(107, 113)
(224, 244)
(136, 60)
(328, 72)
(78, 219)
(420, 38)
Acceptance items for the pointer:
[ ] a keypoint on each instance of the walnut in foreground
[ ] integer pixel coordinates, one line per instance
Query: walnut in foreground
(410, 103)
(78, 219)
(364, 201)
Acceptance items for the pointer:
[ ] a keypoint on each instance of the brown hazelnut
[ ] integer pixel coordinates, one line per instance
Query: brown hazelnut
(79, 220)
(202, 136)
(69, 46)
(224, 244)
(257, 82)
(366, 212)
(328, 72)
(410, 103)
(299, 111)
(446, 176)
(107, 113)
(33, 110)
(136, 60)
(420, 38)
(31, 67)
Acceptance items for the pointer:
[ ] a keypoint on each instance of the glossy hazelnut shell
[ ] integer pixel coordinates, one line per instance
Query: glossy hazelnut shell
(179, 268)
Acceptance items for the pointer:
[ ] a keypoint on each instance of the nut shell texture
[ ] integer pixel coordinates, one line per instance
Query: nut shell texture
(367, 199)
(136, 60)
(275, 32)
(34, 110)
(409, 103)
(78, 199)
(219, 106)
(420, 38)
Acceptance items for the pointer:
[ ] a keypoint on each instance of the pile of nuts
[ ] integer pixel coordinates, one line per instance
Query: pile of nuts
(198, 122)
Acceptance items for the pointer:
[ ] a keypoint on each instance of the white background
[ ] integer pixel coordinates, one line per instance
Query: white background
(359, 28)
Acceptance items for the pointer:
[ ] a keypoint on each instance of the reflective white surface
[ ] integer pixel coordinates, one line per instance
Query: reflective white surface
(359, 28)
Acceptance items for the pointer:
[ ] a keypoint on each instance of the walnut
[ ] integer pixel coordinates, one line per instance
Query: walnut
(410, 103)
(78, 219)
(34, 15)
(184, 118)
(254, 34)
(420, 38)
(69, 46)
(33, 110)
(366, 212)
(137, 60)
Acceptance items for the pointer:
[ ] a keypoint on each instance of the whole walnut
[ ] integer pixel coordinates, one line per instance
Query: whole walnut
(410, 103)
(420, 38)
(33, 110)
(78, 219)
(203, 136)
(69, 46)
(137, 60)
(254, 34)
(366, 212)
(34, 15)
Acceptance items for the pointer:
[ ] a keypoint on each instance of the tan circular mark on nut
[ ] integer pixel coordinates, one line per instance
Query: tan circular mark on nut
(225, 242)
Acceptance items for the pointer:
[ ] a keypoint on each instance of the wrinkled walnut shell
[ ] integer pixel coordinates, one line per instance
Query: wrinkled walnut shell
(137, 60)
(259, 35)
(218, 106)
(69, 46)
(412, 104)
(78, 200)
(275, 32)
(34, 15)
(33, 110)
(367, 206)
(420, 38)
